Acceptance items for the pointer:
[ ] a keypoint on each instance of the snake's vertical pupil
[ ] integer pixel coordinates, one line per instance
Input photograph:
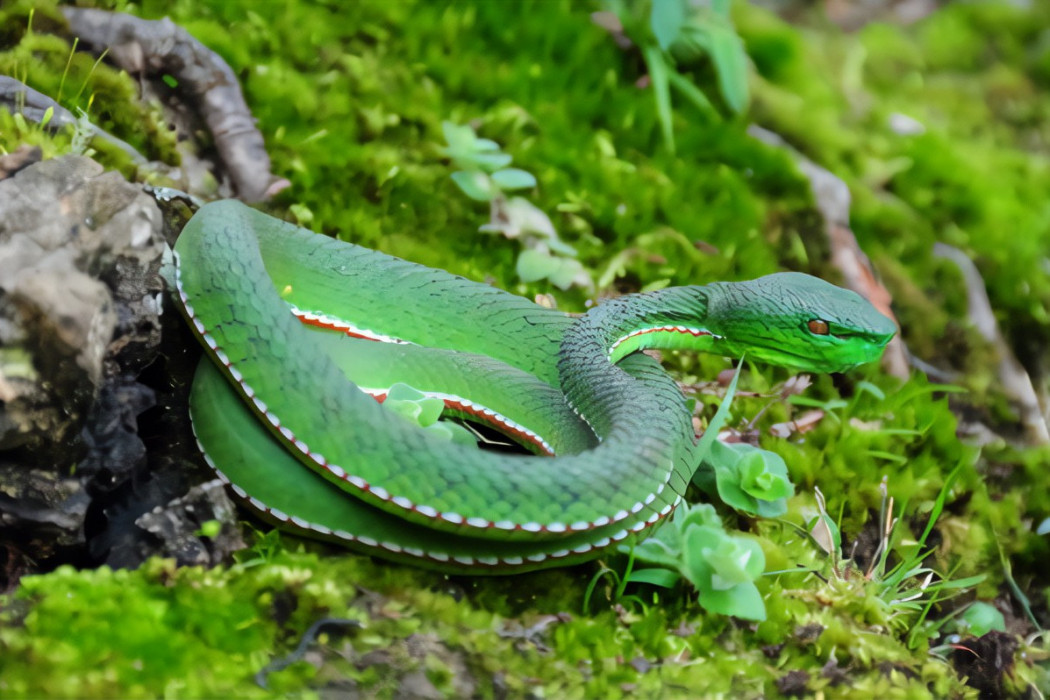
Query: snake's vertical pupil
(818, 327)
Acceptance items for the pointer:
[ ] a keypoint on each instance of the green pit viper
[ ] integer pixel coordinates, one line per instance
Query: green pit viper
(286, 411)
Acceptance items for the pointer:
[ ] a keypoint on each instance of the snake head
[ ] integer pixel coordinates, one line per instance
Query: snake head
(797, 321)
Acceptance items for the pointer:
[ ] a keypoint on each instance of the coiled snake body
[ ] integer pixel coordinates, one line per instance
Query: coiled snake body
(286, 412)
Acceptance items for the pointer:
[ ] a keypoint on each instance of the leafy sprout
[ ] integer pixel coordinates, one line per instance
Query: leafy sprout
(980, 618)
(483, 175)
(752, 480)
(722, 566)
(678, 34)
(905, 593)
(425, 411)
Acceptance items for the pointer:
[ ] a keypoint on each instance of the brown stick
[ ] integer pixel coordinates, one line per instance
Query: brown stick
(1013, 378)
(161, 46)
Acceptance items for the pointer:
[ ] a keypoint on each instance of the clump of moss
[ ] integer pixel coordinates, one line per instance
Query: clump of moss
(35, 52)
(351, 105)
(196, 632)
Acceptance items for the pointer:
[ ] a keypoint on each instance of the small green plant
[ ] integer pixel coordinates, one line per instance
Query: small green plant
(752, 480)
(425, 411)
(266, 545)
(483, 175)
(662, 578)
(902, 595)
(722, 566)
(678, 33)
(980, 618)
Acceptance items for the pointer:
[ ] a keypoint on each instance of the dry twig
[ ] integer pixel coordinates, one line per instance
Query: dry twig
(1013, 378)
(160, 46)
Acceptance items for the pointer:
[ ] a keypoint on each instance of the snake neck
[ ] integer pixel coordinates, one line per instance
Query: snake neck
(604, 394)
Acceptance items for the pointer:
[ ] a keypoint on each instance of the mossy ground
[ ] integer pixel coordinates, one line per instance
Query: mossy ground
(350, 101)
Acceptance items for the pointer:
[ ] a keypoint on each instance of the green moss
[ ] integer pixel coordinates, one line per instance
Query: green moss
(969, 75)
(351, 101)
(35, 53)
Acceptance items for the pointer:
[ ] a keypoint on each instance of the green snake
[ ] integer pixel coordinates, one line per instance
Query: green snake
(286, 410)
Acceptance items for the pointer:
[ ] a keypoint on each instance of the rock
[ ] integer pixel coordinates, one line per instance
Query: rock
(179, 526)
(80, 304)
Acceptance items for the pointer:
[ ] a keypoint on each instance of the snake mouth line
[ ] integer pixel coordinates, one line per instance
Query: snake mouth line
(380, 493)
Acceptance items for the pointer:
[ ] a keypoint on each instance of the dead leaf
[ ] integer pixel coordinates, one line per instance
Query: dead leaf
(803, 424)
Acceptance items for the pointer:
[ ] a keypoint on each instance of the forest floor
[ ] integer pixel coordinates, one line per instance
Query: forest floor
(911, 559)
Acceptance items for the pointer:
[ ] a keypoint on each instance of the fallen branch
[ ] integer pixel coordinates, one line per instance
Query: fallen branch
(1013, 378)
(33, 105)
(162, 47)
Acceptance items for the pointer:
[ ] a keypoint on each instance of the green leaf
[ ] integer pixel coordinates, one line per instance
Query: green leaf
(666, 19)
(513, 179)
(535, 264)
(665, 578)
(730, 60)
(665, 547)
(570, 272)
(458, 137)
(710, 435)
(743, 601)
(700, 515)
(658, 70)
(763, 474)
(730, 560)
(303, 215)
(409, 410)
(866, 386)
(729, 490)
(981, 618)
(485, 145)
(488, 161)
(212, 528)
(693, 561)
(721, 7)
(475, 185)
(692, 93)
(749, 479)
(661, 549)
(413, 404)
(968, 582)
(425, 412)
(771, 509)
(469, 152)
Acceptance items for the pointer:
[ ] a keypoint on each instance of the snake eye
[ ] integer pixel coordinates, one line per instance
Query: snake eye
(818, 327)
